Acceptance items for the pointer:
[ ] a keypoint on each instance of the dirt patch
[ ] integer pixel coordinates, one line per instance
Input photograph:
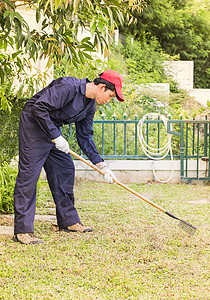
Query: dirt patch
(6, 220)
(6, 230)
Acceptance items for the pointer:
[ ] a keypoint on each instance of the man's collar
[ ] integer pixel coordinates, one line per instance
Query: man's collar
(83, 83)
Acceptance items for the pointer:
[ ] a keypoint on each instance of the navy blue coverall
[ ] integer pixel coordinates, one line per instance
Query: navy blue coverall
(62, 102)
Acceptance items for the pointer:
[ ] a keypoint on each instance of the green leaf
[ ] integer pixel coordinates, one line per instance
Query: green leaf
(93, 28)
(44, 26)
(5, 45)
(11, 16)
(85, 40)
(87, 56)
(28, 44)
(38, 16)
(75, 63)
(75, 5)
(92, 21)
(14, 55)
(72, 50)
(81, 57)
(57, 3)
(101, 27)
(20, 41)
(6, 14)
(110, 16)
(120, 17)
(1, 75)
(9, 3)
(86, 48)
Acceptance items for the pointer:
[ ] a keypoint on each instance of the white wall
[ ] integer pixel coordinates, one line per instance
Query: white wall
(201, 95)
(158, 89)
(183, 73)
(140, 171)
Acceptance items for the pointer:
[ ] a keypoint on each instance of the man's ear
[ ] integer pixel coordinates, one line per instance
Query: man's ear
(102, 86)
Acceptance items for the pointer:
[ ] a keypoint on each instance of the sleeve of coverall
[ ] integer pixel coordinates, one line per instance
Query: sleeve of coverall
(54, 97)
(84, 132)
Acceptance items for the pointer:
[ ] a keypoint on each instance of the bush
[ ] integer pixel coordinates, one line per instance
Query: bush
(8, 176)
(142, 60)
(9, 126)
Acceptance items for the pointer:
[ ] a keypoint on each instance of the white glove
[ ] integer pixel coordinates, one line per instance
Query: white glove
(109, 175)
(61, 144)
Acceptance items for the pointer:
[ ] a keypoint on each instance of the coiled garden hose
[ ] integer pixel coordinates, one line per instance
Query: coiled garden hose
(155, 153)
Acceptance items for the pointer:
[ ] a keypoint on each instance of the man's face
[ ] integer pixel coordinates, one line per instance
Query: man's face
(103, 96)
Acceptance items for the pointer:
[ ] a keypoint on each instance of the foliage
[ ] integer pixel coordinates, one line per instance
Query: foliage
(61, 22)
(8, 176)
(181, 27)
(182, 104)
(90, 69)
(9, 125)
(116, 60)
(143, 60)
(10, 64)
(20, 84)
(12, 102)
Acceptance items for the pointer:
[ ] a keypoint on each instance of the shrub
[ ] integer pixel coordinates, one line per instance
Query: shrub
(142, 61)
(9, 130)
(8, 176)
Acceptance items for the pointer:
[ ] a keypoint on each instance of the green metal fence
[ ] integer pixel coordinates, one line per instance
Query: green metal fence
(118, 139)
(194, 144)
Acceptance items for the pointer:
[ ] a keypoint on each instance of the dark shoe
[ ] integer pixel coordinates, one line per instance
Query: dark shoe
(26, 238)
(78, 227)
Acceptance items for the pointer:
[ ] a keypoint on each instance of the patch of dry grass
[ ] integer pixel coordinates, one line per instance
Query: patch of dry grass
(134, 252)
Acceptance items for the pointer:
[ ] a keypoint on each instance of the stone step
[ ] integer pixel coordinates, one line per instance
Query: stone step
(10, 229)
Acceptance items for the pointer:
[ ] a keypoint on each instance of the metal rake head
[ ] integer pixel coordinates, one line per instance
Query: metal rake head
(190, 229)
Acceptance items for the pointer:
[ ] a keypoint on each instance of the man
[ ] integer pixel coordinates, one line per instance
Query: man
(41, 144)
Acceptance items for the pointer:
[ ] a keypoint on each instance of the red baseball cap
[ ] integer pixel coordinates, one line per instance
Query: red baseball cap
(116, 79)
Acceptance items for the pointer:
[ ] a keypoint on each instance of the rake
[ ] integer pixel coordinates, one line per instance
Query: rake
(190, 229)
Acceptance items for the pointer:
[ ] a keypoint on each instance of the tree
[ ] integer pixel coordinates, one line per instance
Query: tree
(64, 18)
(182, 28)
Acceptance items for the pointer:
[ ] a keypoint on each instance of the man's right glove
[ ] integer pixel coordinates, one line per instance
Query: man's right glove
(109, 175)
(61, 144)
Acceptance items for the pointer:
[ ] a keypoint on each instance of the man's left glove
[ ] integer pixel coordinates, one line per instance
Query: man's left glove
(61, 144)
(109, 175)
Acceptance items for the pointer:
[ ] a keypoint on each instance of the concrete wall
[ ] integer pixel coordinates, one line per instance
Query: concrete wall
(201, 95)
(156, 88)
(139, 171)
(183, 73)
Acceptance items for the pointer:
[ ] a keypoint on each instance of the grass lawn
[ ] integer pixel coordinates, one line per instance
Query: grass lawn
(134, 252)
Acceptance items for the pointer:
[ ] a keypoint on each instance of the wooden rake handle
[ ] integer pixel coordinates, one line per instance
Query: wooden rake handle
(118, 182)
(190, 229)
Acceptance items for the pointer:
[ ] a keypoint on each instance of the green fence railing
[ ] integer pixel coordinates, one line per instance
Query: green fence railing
(194, 144)
(118, 139)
